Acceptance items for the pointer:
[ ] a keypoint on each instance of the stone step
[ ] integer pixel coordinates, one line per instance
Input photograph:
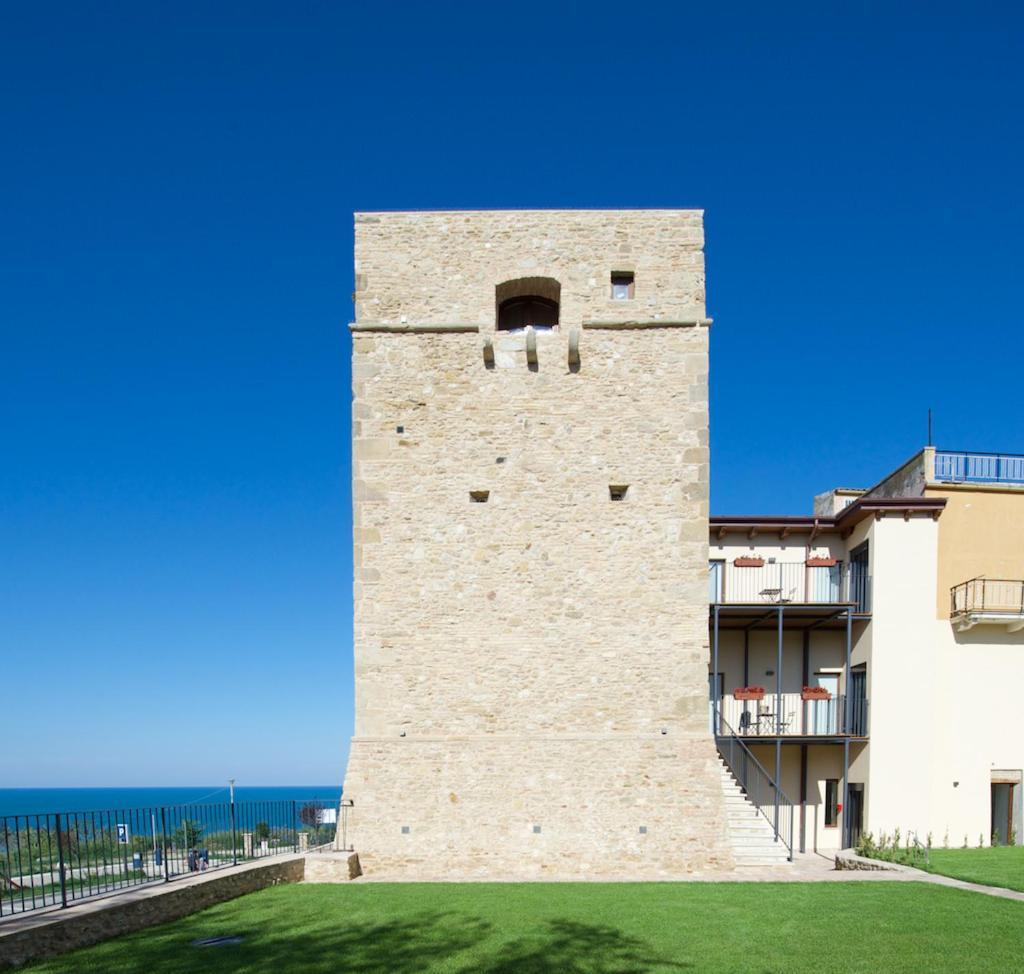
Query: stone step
(751, 837)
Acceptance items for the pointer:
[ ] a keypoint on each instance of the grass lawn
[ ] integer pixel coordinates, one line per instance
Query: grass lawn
(1000, 865)
(588, 928)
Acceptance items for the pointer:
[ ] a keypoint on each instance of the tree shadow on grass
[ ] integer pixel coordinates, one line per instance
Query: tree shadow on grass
(411, 946)
(569, 947)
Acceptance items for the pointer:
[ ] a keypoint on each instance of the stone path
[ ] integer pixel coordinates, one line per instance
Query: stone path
(808, 867)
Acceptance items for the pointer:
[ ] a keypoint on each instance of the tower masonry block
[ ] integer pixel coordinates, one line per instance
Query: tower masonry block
(530, 528)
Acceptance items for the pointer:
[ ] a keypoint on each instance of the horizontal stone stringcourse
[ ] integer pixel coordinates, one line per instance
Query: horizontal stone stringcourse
(637, 325)
(416, 329)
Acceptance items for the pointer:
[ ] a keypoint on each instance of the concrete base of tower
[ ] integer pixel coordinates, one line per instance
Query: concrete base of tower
(612, 806)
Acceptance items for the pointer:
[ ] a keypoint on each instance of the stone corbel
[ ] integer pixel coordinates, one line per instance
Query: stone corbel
(531, 347)
(574, 349)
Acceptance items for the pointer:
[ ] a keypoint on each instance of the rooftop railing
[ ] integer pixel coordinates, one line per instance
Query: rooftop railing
(979, 468)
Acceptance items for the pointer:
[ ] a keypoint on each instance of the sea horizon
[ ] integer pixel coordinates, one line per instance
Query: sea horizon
(90, 798)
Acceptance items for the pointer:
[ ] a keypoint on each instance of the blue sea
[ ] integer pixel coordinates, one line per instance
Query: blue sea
(38, 801)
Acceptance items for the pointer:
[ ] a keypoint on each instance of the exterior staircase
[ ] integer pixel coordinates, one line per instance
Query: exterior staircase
(750, 834)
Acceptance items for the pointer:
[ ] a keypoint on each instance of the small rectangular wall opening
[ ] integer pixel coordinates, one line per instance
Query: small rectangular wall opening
(622, 285)
(479, 496)
(617, 492)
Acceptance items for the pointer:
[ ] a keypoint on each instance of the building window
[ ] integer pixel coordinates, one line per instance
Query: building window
(622, 285)
(518, 313)
(617, 492)
(479, 496)
(526, 302)
(831, 803)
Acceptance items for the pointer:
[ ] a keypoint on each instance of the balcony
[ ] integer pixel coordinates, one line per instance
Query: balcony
(979, 468)
(754, 581)
(798, 718)
(988, 601)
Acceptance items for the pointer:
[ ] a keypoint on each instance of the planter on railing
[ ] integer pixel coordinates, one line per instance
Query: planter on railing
(747, 562)
(748, 693)
(821, 562)
(815, 693)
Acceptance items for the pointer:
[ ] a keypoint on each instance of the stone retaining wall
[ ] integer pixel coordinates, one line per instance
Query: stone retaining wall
(37, 936)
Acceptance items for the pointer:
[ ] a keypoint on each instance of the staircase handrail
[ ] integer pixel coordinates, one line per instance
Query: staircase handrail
(780, 799)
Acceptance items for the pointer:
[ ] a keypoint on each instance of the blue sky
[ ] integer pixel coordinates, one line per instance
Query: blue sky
(176, 270)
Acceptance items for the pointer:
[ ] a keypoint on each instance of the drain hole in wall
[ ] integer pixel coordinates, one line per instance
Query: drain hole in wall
(479, 496)
(617, 492)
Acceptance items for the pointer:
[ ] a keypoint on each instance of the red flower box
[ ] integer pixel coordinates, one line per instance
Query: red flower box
(747, 562)
(821, 562)
(815, 693)
(748, 693)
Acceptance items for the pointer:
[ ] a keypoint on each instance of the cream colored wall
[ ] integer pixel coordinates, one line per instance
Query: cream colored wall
(981, 532)
(908, 694)
(823, 761)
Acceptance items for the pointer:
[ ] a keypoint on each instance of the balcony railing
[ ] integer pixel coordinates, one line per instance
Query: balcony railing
(999, 596)
(798, 717)
(790, 581)
(980, 468)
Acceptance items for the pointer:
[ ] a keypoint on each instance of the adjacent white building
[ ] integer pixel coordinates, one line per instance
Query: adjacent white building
(870, 656)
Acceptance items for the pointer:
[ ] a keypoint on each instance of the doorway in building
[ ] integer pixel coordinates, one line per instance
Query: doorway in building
(854, 814)
(858, 701)
(1005, 801)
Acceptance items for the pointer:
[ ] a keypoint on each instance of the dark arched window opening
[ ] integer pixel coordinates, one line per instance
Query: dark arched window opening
(528, 301)
(516, 313)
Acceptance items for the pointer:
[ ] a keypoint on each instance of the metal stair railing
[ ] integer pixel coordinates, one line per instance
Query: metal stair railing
(759, 787)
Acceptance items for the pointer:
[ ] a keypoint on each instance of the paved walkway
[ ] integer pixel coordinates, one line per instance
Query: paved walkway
(808, 867)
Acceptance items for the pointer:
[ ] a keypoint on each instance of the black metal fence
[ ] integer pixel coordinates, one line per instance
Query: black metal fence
(58, 858)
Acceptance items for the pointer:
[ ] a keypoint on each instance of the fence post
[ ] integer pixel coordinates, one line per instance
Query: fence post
(163, 844)
(295, 830)
(60, 860)
(234, 836)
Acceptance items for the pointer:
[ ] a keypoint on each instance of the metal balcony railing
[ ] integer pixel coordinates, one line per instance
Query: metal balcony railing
(1003, 596)
(981, 468)
(790, 581)
(798, 717)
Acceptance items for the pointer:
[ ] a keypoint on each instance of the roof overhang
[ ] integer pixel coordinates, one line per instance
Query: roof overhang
(841, 523)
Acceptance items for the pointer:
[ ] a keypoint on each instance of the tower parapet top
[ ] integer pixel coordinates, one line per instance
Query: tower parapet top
(454, 270)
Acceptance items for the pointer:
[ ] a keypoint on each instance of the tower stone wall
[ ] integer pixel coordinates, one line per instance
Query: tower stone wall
(531, 655)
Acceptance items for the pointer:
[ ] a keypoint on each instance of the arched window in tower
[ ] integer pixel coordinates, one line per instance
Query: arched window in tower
(528, 301)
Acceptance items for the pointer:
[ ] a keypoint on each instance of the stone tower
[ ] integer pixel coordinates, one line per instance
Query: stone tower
(530, 484)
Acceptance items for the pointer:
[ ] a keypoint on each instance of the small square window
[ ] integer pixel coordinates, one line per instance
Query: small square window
(405, 830)
(617, 492)
(643, 830)
(479, 496)
(622, 286)
(536, 830)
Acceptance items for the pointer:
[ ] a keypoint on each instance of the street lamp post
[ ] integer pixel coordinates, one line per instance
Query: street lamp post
(234, 842)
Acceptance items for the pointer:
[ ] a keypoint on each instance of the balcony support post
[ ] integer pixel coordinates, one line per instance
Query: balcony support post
(848, 698)
(847, 831)
(803, 797)
(715, 721)
(778, 719)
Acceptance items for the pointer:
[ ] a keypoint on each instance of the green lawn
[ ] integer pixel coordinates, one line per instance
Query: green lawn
(1000, 865)
(751, 928)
